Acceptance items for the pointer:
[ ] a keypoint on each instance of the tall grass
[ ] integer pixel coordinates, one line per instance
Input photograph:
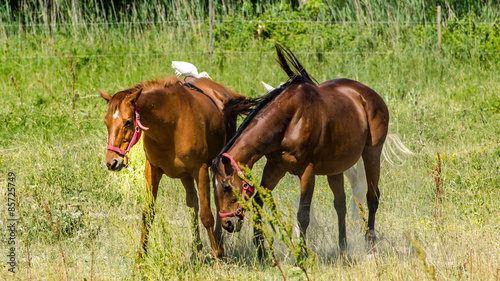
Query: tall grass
(49, 12)
(447, 103)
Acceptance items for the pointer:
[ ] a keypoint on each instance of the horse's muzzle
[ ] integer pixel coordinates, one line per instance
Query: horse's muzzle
(115, 164)
(232, 224)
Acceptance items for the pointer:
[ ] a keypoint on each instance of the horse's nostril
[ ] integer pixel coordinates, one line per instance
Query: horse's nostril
(115, 165)
(229, 226)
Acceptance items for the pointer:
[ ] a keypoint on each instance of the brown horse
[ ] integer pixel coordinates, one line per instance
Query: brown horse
(185, 125)
(305, 130)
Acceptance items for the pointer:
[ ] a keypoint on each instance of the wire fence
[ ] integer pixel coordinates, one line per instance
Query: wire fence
(180, 22)
(248, 22)
(367, 53)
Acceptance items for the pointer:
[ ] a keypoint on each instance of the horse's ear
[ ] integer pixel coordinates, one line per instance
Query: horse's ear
(135, 96)
(228, 167)
(104, 95)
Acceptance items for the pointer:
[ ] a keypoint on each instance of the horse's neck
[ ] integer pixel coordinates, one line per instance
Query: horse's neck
(148, 107)
(262, 136)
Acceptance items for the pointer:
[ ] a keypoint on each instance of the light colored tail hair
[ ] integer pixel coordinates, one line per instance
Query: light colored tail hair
(393, 148)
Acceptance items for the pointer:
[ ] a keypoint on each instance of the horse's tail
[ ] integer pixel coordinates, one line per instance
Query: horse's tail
(394, 147)
(287, 58)
(240, 105)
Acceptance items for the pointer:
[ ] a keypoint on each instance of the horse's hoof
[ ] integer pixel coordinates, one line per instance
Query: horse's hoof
(346, 259)
(371, 236)
(304, 253)
(218, 253)
(199, 247)
(262, 255)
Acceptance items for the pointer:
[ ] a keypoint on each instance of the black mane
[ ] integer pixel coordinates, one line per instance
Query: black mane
(299, 76)
(285, 58)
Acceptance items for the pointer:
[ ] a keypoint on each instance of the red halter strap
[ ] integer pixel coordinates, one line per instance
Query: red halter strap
(246, 187)
(133, 141)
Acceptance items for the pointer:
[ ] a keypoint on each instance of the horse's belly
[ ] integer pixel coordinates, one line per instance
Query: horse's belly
(333, 165)
(172, 164)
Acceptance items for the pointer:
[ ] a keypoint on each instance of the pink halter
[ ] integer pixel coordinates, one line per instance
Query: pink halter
(246, 187)
(133, 141)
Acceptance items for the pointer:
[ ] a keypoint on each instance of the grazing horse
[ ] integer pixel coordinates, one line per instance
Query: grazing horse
(306, 130)
(184, 125)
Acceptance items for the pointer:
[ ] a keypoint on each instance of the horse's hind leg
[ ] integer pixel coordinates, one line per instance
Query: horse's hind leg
(153, 177)
(336, 183)
(371, 158)
(192, 203)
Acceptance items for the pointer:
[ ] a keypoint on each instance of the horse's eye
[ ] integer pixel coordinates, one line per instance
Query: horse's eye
(128, 123)
(227, 187)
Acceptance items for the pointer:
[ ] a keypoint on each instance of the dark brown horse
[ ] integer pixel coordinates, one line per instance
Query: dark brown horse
(305, 130)
(185, 125)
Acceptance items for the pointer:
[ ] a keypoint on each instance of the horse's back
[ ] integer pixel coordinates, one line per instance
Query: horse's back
(218, 93)
(376, 109)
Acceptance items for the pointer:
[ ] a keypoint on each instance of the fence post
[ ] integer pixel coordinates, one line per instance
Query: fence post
(438, 23)
(211, 26)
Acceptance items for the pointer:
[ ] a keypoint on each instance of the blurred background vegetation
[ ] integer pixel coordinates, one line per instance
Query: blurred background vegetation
(98, 11)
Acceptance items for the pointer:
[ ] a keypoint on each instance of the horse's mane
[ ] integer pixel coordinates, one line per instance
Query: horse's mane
(299, 76)
(163, 82)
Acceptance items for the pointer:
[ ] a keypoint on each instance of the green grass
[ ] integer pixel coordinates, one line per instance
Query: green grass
(446, 103)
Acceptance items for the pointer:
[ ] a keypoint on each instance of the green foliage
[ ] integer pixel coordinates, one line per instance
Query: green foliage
(446, 102)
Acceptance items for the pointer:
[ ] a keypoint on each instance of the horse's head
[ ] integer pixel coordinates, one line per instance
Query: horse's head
(229, 181)
(122, 127)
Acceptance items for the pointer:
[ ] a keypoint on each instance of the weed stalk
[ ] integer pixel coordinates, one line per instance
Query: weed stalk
(438, 179)
(72, 80)
(362, 212)
(421, 255)
(92, 250)
(18, 92)
(56, 232)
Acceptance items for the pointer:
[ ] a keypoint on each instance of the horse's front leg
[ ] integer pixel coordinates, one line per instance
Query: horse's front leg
(218, 224)
(272, 174)
(153, 177)
(307, 181)
(206, 215)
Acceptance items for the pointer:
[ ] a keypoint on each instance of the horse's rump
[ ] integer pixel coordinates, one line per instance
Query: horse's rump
(376, 109)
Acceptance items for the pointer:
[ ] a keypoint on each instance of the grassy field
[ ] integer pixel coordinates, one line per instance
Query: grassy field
(53, 138)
